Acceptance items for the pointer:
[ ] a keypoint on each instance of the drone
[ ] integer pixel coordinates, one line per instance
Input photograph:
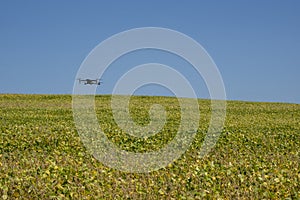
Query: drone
(89, 81)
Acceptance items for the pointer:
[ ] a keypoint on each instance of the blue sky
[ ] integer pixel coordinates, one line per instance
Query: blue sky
(255, 44)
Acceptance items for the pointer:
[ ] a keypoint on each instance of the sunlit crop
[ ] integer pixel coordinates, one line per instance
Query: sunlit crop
(42, 157)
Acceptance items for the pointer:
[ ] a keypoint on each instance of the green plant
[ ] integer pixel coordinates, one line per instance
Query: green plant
(257, 155)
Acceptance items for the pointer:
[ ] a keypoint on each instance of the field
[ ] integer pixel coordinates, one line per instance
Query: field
(42, 157)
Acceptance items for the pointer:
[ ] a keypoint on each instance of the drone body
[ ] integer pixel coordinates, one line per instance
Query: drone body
(89, 81)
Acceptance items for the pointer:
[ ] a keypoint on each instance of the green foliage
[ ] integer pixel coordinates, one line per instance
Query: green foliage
(42, 157)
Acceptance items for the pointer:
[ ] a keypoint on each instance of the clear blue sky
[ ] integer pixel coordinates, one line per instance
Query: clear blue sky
(255, 44)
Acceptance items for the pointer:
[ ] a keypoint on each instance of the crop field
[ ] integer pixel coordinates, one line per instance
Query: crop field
(42, 157)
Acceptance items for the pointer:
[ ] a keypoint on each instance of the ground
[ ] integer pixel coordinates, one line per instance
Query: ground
(42, 156)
